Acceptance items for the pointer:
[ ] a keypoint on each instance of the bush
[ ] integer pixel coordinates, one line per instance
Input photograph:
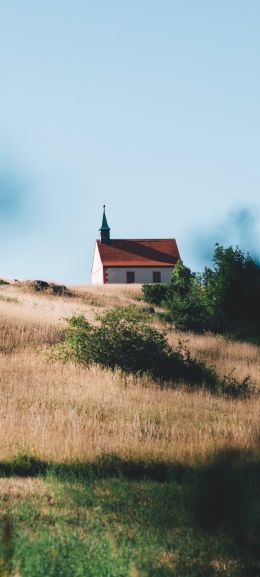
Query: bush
(154, 293)
(125, 340)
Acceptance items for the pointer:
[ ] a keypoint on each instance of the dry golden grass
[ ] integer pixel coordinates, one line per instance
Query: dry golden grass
(20, 334)
(19, 301)
(112, 294)
(225, 355)
(64, 412)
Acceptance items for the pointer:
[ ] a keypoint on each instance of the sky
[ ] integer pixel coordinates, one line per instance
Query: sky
(149, 106)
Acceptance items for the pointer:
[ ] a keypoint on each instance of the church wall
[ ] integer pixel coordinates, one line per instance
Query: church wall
(97, 276)
(115, 275)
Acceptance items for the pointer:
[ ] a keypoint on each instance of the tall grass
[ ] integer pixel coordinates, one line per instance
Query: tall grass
(65, 412)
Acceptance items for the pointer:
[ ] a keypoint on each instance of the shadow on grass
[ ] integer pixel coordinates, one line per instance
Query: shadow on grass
(228, 500)
(218, 499)
(106, 466)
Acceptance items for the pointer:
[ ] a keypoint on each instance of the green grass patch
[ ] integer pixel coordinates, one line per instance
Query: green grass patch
(113, 520)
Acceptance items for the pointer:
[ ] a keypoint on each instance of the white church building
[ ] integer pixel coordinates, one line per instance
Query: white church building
(132, 260)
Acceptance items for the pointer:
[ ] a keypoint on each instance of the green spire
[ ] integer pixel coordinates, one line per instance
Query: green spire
(105, 229)
(104, 221)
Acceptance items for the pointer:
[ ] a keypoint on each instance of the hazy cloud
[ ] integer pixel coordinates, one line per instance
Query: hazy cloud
(13, 197)
(240, 227)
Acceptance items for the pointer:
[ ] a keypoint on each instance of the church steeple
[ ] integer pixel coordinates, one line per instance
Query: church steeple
(105, 230)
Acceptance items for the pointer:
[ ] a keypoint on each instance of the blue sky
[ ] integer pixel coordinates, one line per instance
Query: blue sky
(152, 107)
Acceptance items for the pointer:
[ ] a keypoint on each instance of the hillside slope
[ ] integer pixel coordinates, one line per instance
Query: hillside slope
(90, 457)
(52, 406)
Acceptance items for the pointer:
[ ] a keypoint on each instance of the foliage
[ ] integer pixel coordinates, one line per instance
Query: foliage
(125, 340)
(181, 280)
(224, 298)
(154, 293)
(233, 287)
(186, 302)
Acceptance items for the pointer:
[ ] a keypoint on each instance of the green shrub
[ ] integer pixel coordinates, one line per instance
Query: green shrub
(124, 339)
(154, 293)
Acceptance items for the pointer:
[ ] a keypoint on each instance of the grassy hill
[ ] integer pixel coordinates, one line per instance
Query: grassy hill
(105, 475)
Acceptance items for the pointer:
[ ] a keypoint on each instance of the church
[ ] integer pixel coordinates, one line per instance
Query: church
(128, 261)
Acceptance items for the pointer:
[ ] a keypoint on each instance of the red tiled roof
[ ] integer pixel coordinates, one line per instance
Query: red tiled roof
(135, 252)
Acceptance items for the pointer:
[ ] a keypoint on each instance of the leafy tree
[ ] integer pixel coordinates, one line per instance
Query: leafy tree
(223, 298)
(232, 288)
(182, 280)
(186, 300)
